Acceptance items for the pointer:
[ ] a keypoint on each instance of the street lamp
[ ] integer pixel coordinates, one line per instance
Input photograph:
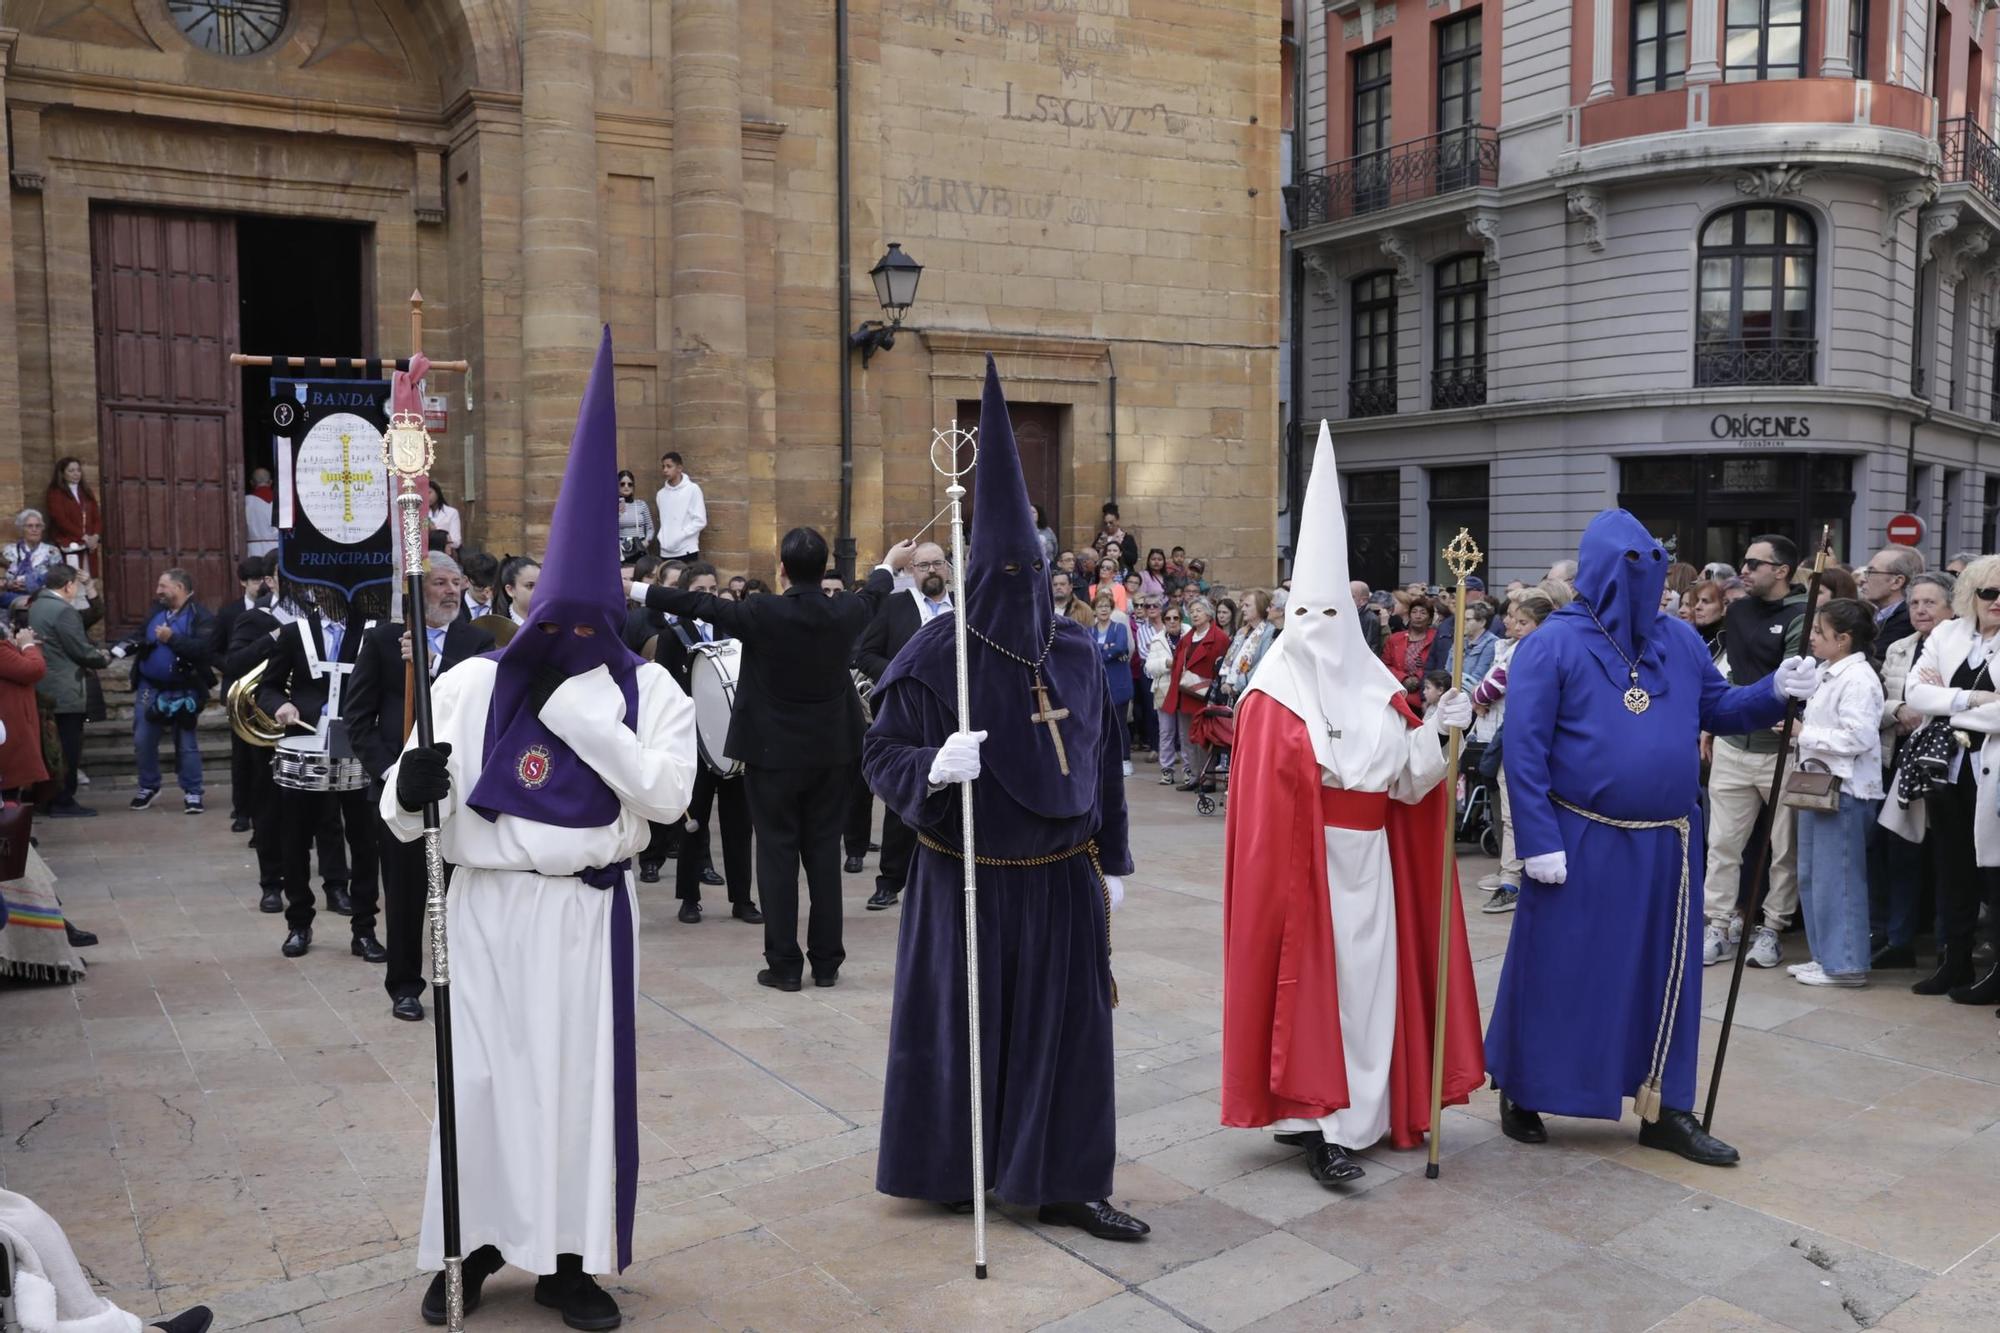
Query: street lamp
(895, 276)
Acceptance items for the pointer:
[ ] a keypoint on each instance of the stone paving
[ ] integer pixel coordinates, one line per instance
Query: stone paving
(213, 1122)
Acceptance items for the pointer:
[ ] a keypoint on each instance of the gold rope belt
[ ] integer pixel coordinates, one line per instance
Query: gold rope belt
(1088, 849)
(1646, 1101)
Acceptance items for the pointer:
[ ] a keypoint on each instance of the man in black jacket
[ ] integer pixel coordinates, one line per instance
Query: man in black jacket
(310, 661)
(675, 645)
(797, 729)
(895, 625)
(373, 705)
(1885, 586)
(246, 762)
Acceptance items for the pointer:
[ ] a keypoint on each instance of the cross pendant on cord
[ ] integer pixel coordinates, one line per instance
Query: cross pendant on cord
(1051, 716)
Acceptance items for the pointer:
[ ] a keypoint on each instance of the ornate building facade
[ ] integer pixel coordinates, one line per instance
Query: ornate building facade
(1091, 186)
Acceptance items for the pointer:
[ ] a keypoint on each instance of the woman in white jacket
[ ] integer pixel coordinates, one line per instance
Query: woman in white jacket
(1955, 678)
(1841, 733)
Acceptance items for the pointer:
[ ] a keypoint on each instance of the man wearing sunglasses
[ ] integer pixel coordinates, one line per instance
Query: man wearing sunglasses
(1760, 631)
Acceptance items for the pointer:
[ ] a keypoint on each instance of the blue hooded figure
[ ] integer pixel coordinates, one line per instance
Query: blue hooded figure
(1049, 802)
(1600, 998)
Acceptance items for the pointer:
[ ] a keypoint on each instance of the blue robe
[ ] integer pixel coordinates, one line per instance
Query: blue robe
(1044, 972)
(1581, 995)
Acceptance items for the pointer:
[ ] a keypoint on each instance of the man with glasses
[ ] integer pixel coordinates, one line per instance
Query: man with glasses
(1760, 631)
(1885, 582)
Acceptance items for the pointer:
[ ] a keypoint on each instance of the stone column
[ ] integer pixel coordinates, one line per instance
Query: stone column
(709, 338)
(1834, 63)
(559, 265)
(1704, 19)
(1601, 37)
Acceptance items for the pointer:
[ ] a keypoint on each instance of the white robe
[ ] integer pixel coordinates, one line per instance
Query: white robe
(531, 1003)
(1406, 762)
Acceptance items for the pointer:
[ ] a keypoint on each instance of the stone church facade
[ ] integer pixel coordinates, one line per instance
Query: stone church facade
(1090, 184)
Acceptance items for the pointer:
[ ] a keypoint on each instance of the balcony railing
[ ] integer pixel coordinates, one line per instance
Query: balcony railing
(1401, 174)
(1970, 155)
(1720, 361)
(1459, 386)
(1372, 395)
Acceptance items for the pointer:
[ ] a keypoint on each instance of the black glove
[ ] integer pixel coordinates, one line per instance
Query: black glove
(547, 681)
(423, 777)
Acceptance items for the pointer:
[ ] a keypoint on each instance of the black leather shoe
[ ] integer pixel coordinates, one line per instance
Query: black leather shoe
(1681, 1133)
(577, 1296)
(408, 1008)
(194, 1319)
(881, 899)
(1891, 957)
(1332, 1164)
(481, 1264)
(874, 846)
(1986, 990)
(1954, 969)
(240, 824)
(368, 949)
(78, 939)
(826, 980)
(854, 865)
(271, 902)
(1301, 1138)
(712, 878)
(1520, 1124)
(649, 872)
(298, 942)
(1100, 1219)
(748, 912)
(769, 978)
(691, 913)
(338, 903)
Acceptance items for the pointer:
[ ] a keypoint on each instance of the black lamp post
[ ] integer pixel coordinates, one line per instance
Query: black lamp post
(895, 276)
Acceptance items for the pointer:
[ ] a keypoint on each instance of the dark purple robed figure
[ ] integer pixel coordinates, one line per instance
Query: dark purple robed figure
(1045, 975)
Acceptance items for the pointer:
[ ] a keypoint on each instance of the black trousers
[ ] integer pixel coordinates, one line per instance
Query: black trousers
(246, 763)
(267, 825)
(405, 891)
(69, 735)
(860, 815)
(797, 814)
(1961, 883)
(711, 792)
(899, 844)
(301, 816)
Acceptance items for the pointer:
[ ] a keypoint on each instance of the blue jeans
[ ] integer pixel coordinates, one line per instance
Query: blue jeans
(1833, 884)
(146, 735)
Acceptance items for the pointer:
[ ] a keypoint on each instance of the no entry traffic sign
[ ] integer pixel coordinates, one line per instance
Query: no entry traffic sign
(1906, 530)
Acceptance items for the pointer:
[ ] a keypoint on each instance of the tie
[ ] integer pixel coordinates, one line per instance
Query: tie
(335, 635)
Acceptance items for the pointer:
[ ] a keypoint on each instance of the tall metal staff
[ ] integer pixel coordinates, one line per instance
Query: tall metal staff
(1461, 558)
(407, 447)
(961, 452)
(1748, 901)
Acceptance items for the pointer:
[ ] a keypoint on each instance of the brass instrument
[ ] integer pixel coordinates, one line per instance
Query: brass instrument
(246, 719)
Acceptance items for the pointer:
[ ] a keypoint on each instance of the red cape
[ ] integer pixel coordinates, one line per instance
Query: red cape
(1282, 1056)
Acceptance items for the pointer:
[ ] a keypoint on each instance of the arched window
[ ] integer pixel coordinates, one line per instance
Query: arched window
(1371, 378)
(1754, 317)
(1458, 347)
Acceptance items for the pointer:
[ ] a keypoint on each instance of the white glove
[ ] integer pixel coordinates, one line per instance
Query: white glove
(1454, 709)
(1549, 867)
(1796, 678)
(1117, 887)
(957, 759)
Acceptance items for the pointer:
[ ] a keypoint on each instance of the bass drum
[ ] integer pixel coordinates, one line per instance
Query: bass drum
(713, 670)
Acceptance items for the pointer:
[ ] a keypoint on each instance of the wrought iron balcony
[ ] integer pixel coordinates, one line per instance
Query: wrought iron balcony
(1970, 155)
(1460, 385)
(1720, 361)
(1401, 174)
(1372, 395)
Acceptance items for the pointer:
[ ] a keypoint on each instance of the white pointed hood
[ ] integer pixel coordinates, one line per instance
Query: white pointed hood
(1320, 667)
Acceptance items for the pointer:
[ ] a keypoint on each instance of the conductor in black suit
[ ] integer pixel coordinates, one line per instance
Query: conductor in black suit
(676, 641)
(374, 710)
(901, 616)
(797, 728)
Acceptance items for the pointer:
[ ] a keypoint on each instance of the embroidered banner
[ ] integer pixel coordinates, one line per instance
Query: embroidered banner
(333, 516)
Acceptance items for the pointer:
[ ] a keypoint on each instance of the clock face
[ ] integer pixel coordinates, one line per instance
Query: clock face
(230, 27)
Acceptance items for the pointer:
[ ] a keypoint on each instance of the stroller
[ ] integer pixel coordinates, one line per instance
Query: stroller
(1478, 799)
(1215, 731)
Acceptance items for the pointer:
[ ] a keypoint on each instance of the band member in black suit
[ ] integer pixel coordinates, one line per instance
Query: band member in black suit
(797, 729)
(249, 767)
(373, 705)
(307, 675)
(894, 625)
(675, 648)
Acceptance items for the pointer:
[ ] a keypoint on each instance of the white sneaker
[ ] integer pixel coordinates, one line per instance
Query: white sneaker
(1846, 980)
(1490, 882)
(82, 778)
(1799, 969)
(1718, 944)
(1765, 950)
(1128, 768)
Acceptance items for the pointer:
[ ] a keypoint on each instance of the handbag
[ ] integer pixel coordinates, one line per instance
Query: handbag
(1812, 786)
(1190, 681)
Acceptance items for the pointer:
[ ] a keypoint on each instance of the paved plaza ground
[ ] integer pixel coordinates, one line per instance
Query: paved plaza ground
(213, 1122)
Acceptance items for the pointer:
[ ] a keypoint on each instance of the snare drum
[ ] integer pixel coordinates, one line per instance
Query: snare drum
(713, 670)
(299, 764)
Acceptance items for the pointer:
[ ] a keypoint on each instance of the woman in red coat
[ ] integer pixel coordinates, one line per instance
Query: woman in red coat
(1407, 650)
(1197, 660)
(76, 528)
(21, 665)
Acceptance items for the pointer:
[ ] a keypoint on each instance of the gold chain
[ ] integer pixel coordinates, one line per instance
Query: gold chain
(1081, 849)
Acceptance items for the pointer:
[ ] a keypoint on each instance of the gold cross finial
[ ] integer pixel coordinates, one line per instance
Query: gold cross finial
(1463, 555)
(347, 478)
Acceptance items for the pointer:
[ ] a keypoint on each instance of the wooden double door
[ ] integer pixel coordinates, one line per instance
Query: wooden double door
(1038, 439)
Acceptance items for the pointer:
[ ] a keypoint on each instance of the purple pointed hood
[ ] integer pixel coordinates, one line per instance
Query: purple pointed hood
(528, 770)
(1007, 595)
